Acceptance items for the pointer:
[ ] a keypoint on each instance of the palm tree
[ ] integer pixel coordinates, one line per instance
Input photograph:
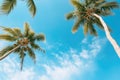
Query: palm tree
(8, 5)
(88, 13)
(24, 43)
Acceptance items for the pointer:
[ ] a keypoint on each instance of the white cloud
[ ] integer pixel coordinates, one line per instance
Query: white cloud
(10, 70)
(27, 74)
(84, 54)
(84, 41)
(69, 63)
(43, 78)
(73, 61)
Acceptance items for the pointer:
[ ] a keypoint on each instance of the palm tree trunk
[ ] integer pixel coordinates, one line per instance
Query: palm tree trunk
(22, 63)
(109, 37)
(6, 54)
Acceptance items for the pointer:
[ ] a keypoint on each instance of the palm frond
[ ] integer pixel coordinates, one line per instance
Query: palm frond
(32, 7)
(104, 12)
(42, 50)
(39, 37)
(31, 54)
(18, 32)
(76, 25)
(88, 2)
(26, 29)
(37, 47)
(92, 29)
(98, 23)
(109, 5)
(77, 4)
(70, 15)
(7, 6)
(31, 35)
(9, 31)
(8, 37)
(6, 49)
(99, 2)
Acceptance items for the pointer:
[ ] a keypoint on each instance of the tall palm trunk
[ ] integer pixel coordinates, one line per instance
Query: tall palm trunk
(6, 54)
(22, 64)
(109, 37)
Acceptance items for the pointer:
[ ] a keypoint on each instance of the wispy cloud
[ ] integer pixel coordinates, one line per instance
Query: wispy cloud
(9, 70)
(65, 65)
(73, 61)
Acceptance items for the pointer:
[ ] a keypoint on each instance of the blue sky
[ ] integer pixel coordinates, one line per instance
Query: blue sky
(68, 56)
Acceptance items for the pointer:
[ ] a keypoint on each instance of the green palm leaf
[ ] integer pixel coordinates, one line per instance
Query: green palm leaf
(89, 2)
(26, 29)
(92, 29)
(76, 25)
(18, 32)
(7, 6)
(32, 7)
(6, 49)
(31, 54)
(104, 12)
(40, 37)
(70, 15)
(110, 5)
(34, 46)
(77, 4)
(99, 2)
(8, 37)
(37, 47)
(9, 31)
(31, 35)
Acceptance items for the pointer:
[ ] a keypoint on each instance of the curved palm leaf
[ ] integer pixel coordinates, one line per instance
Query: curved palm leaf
(10, 49)
(99, 2)
(32, 7)
(77, 4)
(34, 46)
(76, 25)
(8, 37)
(6, 49)
(31, 54)
(9, 31)
(86, 28)
(70, 15)
(37, 47)
(39, 37)
(18, 32)
(7, 6)
(92, 29)
(109, 5)
(26, 29)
